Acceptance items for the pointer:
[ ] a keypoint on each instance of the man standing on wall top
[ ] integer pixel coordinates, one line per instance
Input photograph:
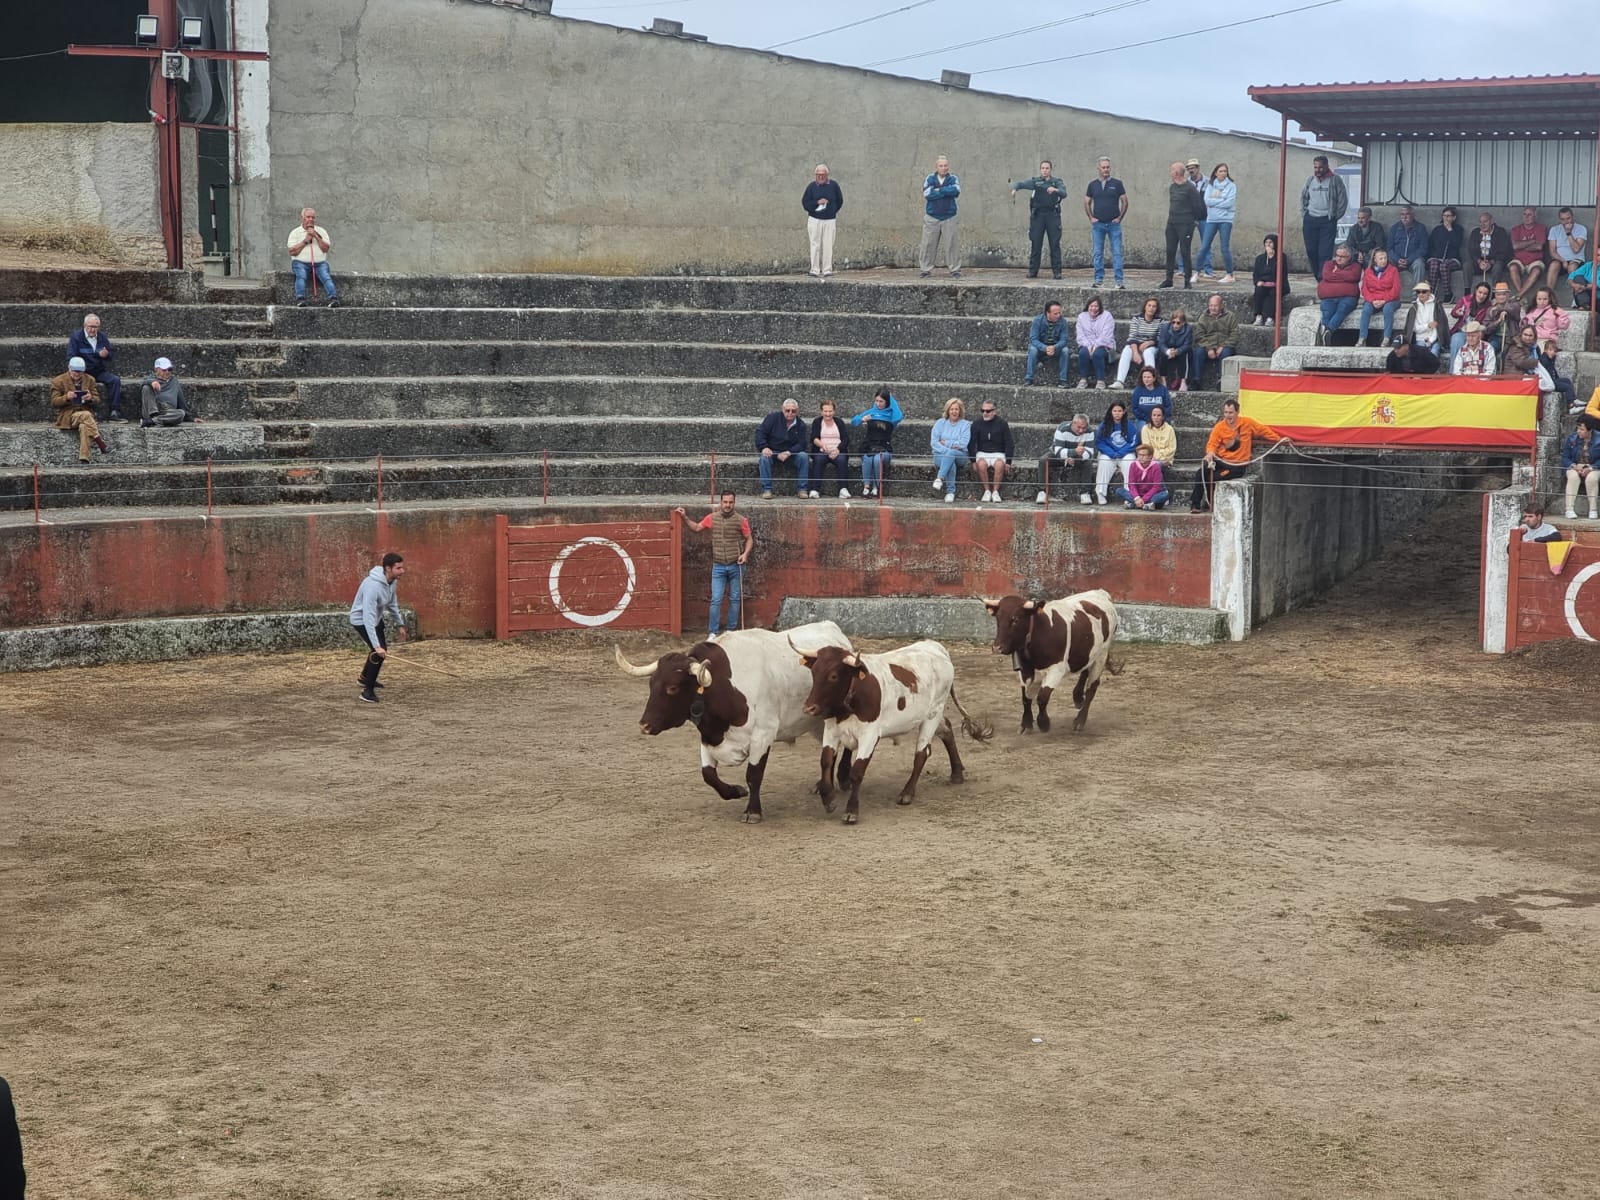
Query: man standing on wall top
(1045, 193)
(1105, 203)
(823, 199)
(731, 543)
(308, 254)
(939, 221)
(1323, 200)
(375, 598)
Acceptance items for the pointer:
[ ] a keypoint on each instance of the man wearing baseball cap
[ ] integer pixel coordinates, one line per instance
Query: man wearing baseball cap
(161, 398)
(1406, 359)
(73, 394)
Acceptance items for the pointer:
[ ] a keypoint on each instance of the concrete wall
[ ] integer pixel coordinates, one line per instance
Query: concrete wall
(172, 566)
(92, 184)
(438, 137)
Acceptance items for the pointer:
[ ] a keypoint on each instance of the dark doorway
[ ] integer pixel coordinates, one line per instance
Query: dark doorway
(54, 87)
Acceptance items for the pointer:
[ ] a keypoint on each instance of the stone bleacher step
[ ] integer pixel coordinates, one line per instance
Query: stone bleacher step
(250, 329)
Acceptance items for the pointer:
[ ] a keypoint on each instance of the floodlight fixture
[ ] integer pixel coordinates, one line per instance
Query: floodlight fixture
(147, 30)
(193, 28)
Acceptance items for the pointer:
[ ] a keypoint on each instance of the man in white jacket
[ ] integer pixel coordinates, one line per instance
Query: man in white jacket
(375, 598)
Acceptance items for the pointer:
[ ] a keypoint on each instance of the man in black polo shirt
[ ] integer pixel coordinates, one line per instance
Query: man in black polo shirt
(1105, 204)
(1044, 216)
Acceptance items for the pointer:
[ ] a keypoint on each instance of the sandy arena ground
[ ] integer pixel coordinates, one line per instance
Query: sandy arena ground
(1311, 916)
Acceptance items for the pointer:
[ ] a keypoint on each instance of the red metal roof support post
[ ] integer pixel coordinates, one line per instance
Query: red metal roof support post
(36, 520)
(1283, 262)
(1594, 232)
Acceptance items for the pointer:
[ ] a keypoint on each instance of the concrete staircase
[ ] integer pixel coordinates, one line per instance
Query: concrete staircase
(526, 385)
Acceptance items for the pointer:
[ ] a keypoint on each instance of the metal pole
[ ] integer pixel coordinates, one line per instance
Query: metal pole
(1046, 485)
(1594, 232)
(208, 485)
(713, 477)
(36, 520)
(546, 497)
(380, 483)
(1283, 263)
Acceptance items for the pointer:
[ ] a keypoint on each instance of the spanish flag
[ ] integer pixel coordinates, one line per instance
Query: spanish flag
(1411, 412)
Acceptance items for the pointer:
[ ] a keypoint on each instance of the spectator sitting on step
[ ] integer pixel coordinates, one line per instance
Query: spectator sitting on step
(308, 253)
(877, 448)
(97, 352)
(830, 447)
(1545, 316)
(1150, 395)
(73, 395)
(781, 439)
(1522, 356)
(1144, 483)
(1581, 281)
(1365, 236)
(1115, 441)
(1069, 463)
(1271, 279)
(1566, 247)
(1590, 415)
(1408, 245)
(1215, 334)
(1505, 315)
(949, 439)
(161, 399)
(1096, 331)
(1174, 344)
(1475, 359)
(1535, 528)
(1408, 359)
(1161, 437)
(1229, 452)
(1580, 458)
(1338, 291)
(1528, 248)
(1474, 306)
(1143, 331)
(1380, 292)
(991, 449)
(1489, 250)
(1557, 383)
(1444, 253)
(1047, 340)
(1425, 323)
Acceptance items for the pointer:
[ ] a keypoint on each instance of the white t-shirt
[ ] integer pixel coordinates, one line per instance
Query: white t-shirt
(1543, 530)
(1562, 241)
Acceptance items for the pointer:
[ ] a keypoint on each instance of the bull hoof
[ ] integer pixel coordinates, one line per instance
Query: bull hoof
(1044, 723)
(751, 818)
(850, 818)
(1026, 729)
(1077, 726)
(737, 793)
(829, 803)
(957, 777)
(904, 799)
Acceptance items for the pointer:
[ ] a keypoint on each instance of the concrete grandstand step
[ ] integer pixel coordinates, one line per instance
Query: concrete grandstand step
(42, 359)
(108, 483)
(180, 322)
(23, 445)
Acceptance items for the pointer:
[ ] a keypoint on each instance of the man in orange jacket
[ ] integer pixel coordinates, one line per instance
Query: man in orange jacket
(1228, 452)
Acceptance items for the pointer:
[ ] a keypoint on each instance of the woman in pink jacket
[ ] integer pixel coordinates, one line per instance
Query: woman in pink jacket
(1096, 331)
(1546, 318)
(1380, 288)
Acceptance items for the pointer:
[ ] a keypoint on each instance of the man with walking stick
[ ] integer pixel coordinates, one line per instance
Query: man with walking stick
(731, 544)
(375, 598)
(308, 255)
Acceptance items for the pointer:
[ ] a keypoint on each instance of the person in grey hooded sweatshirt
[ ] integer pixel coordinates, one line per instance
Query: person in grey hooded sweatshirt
(375, 598)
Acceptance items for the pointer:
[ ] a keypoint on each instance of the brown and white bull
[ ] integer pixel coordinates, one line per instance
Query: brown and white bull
(742, 692)
(866, 698)
(1052, 641)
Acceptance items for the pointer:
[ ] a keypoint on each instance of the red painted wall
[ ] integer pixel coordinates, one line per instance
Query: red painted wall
(1536, 607)
(167, 566)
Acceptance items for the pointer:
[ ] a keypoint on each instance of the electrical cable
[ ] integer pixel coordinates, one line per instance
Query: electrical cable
(41, 54)
(838, 28)
(1001, 37)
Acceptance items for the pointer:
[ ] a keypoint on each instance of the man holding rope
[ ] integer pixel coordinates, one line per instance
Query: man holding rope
(731, 544)
(1228, 452)
(374, 598)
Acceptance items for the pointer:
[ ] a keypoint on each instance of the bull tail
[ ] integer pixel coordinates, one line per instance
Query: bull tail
(977, 731)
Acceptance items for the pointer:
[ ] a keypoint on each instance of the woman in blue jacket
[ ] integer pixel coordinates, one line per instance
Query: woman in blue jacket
(1173, 345)
(876, 450)
(949, 439)
(1115, 440)
(1222, 199)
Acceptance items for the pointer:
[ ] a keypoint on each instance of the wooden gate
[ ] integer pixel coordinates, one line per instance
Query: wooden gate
(1543, 605)
(625, 575)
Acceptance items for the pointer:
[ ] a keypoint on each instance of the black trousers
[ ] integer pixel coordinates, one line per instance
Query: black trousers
(369, 673)
(1045, 223)
(1180, 238)
(821, 464)
(1207, 477)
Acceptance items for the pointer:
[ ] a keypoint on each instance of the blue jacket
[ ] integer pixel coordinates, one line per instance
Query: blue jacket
(1117, 441)
(1144, 401)
(1222, 195)
(880, 426)
(774, 436)
(941, 200)
(1036, 333)
(1409, 244)
(1573, 453)
(78, 346)
(1174, 339)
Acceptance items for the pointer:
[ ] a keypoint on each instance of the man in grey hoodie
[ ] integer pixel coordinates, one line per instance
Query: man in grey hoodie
(375, 598)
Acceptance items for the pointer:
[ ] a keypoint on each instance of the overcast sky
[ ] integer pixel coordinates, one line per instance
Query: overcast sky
(1192, 80)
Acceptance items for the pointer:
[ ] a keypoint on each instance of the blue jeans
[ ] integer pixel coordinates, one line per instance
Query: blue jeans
(1197, 365)
(1367, 309)
(1159, 500)
(1335, 311)
(1319, 233)
(1097, 360)
(1100, 231)
(302, 272)
(949, 464)
(725, 578)
(1034, 355)
(872, 466)
(802, 468)
(1209, 230)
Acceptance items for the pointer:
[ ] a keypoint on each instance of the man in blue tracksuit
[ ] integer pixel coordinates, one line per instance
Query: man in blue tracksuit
(1045, 193)
(939, 192)
(375, 598)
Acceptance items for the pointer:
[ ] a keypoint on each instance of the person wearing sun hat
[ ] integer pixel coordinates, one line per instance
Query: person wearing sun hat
(1425, 321)
(162, 401)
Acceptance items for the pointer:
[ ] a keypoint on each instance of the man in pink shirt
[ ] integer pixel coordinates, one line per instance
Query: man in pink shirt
(1527, 252)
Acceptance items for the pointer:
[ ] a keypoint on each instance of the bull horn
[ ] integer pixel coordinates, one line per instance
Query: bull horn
(641, 672)
(988, 603)
(851, 661)
(702, 674)
(789, 637)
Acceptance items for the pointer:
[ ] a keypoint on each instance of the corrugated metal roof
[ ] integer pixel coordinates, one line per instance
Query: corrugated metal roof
(1532, 106)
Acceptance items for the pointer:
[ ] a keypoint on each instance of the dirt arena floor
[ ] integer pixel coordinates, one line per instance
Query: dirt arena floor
(1317, 915)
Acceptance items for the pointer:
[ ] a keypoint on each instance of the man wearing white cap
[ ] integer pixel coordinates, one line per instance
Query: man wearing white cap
(161, 396)
(73, 395)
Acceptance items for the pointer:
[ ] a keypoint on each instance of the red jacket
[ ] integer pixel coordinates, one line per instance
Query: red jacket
(1339, 282)
(1380, 289)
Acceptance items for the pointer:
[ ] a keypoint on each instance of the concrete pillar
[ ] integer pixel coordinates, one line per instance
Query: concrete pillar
(1233, 520)
(1502, 512)
(252, 228)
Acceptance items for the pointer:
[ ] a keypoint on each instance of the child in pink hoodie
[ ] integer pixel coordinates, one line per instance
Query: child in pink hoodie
(1145, 485)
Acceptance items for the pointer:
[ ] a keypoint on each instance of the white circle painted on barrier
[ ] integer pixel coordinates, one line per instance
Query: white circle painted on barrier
(594, 619)
(1573, 588)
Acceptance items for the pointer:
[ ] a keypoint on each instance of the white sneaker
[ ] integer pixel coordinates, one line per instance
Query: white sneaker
(1258, 320)
(1083, 383)
(937, 485)
(949, 497)
(1085, 498)
(987, 496)
(1572, 514)
(1100, 384)
(1121, 383)
(1194, 278)
(844, 493)
(1227, 279)
(1099, 499)
(813, 495)
(1040, 498)
(997, 499)
(1269, 322)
